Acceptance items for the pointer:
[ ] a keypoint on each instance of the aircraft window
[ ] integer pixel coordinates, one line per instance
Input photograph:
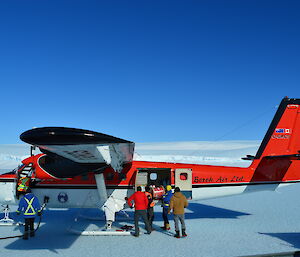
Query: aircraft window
(15, 170)
(153, 176)
(183, 176)
(21, 166)
(10, 173)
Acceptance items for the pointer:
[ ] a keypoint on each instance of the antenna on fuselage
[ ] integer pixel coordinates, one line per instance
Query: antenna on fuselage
(33, 147)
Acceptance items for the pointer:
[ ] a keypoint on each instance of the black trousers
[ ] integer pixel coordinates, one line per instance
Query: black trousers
(29, 224)
(150, 214)
(137, 215)
(165, 215)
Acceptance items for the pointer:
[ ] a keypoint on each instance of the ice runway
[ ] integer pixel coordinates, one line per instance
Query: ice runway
(257, 223)
(249, 224)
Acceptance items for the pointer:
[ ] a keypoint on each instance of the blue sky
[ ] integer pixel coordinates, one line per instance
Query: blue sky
(147, 71)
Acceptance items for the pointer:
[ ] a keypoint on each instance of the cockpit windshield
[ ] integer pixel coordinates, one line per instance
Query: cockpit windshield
(14, 171)
(20, 167)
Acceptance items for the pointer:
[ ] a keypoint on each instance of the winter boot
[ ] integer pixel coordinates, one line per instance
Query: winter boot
(164, 227)
(167, 226)
(183, 233)
(32, 234)
(177, 234)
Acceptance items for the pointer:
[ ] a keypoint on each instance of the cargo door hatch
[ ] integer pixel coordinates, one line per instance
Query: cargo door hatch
(183, 180)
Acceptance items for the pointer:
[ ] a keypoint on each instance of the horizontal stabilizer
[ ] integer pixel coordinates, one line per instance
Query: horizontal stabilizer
(248, 157)
(288, 156)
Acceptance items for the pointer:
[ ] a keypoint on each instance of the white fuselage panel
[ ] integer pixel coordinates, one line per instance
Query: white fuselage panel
(89, 198)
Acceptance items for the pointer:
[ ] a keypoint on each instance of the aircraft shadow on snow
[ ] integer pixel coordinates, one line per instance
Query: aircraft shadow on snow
(199, 211)
(53, 233)
(292, 238)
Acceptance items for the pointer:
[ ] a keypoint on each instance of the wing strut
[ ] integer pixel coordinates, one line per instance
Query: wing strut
(109, 204)
(101, 188)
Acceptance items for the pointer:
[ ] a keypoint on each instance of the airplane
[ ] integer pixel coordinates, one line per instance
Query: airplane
(85, 169)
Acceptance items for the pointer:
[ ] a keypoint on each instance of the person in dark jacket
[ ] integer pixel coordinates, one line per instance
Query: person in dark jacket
(141, 206)
(30, 206)
(151, 203)
(166, 204)
(177, 204)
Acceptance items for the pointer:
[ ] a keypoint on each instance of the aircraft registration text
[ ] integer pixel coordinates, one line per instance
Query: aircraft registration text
(218, 180)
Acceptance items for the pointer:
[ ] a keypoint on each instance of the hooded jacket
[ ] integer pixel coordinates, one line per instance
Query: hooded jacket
(178, 203)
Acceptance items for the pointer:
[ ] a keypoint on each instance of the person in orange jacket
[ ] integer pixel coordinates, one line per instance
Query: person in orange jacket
(140, 205)
(23, 185)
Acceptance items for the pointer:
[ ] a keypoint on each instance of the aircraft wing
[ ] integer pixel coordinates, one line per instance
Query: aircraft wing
(81, 146)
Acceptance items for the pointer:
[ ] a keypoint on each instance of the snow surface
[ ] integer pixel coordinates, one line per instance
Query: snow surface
(257, 223)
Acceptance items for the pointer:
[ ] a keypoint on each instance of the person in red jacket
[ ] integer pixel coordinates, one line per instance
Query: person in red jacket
(141, 205)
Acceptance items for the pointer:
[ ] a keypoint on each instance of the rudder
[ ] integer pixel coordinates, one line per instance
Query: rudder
(283, 135)
(275, 158)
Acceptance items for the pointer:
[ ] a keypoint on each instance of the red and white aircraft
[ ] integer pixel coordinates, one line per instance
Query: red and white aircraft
(85, 169)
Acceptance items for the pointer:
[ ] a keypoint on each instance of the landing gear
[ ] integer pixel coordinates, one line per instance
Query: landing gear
(101, 228)
(111, 207)
(108, 225)
(111, 202)
(114, 204)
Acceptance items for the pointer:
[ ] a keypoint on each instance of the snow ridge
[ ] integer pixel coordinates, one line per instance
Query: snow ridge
(227, 153)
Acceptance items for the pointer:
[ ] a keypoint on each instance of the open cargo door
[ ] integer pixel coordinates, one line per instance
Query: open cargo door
(141, 179)
(183, 180)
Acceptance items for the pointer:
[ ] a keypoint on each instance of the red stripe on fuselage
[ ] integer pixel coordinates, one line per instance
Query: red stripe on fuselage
(202, 174)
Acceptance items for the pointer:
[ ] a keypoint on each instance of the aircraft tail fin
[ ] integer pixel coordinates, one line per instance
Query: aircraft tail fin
(277, 158)
(283, 135)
